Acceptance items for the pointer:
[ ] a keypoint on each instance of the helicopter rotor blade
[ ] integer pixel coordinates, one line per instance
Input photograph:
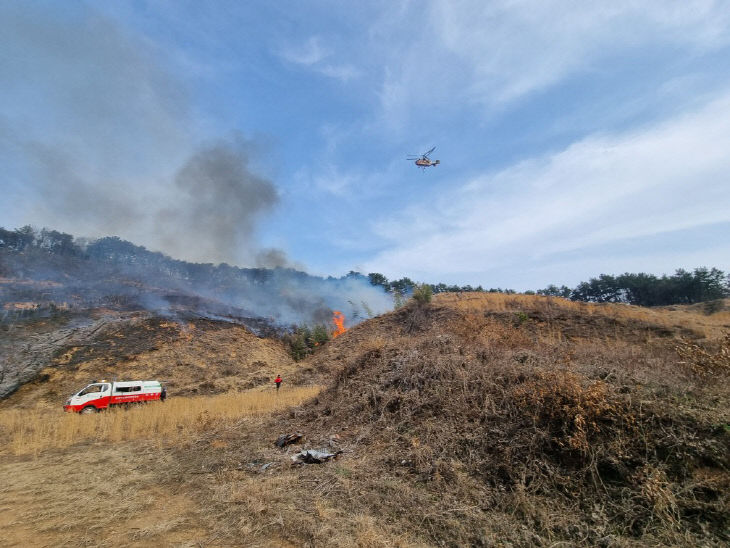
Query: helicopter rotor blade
(430, 151)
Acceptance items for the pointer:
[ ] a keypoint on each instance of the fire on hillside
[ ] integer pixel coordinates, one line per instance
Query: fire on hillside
(338, 318)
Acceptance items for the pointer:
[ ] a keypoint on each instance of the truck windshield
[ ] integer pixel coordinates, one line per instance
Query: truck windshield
(90, 389)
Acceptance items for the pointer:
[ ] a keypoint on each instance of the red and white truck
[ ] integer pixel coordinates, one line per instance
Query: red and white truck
(102, 394)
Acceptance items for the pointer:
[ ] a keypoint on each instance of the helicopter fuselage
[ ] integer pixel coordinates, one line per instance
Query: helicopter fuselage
(423, 161)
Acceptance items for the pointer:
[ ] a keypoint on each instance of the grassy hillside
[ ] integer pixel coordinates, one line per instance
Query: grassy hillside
(474, 420)
(192, 357)
(484, 418)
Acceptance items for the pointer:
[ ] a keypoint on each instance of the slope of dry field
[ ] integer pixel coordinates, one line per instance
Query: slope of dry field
(475, 420)
(193, 357)
(487, 420)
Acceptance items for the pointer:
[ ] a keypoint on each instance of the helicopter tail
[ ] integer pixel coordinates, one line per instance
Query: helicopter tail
(436, 162)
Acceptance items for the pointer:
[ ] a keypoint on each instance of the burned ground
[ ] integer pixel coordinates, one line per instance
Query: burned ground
(193, 357)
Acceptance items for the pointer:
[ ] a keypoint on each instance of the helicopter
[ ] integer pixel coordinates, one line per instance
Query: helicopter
(423, 161)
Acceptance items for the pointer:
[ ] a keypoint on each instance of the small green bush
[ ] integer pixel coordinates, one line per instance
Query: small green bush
(422, 293)
(304, 339)
(320, 335)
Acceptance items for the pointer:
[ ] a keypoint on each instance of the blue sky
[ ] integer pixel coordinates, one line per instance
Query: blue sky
(575, 138)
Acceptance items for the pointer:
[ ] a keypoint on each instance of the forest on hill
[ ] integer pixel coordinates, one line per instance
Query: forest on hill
(48, 254)
(113, 272)
(683, 287)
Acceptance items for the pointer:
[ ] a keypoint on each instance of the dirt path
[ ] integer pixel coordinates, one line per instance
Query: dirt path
(123, 495)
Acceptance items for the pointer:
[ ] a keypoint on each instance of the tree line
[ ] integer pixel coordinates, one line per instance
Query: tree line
(683, 287)
(405, 286)
(110, 271)
(29, 247)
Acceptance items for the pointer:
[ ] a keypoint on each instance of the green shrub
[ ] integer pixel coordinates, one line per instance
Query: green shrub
(319, 336)
(304, 339)
(422, 293)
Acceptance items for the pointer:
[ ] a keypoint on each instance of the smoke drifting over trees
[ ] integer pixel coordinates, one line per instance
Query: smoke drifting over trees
(125, 154)
(49, 269)
(223, 200)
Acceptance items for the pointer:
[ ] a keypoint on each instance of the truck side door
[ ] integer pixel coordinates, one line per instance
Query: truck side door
(94, 392)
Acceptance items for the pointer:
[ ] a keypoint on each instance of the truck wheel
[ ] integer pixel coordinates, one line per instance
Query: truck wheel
(88, 410)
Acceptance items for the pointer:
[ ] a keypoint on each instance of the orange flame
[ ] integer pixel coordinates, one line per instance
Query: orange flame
(338, 318)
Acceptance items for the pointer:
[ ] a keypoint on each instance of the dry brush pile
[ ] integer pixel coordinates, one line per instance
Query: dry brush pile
(493, 426)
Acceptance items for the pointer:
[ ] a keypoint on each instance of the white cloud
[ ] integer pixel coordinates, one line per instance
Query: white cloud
(599, 191)
(314, 55)
(492, 53)
(514, 48)
(311, 53)
(340, 72)
(330, 179)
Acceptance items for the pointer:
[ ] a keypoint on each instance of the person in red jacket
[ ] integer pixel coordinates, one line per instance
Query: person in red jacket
(277, 381)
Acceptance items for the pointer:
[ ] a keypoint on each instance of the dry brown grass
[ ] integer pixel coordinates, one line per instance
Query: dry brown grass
(36, 430)
(510, 417)
(703, 362)
(691, 318)
(106, 495)
(201, 358)
(478, 420)
(559, 402)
